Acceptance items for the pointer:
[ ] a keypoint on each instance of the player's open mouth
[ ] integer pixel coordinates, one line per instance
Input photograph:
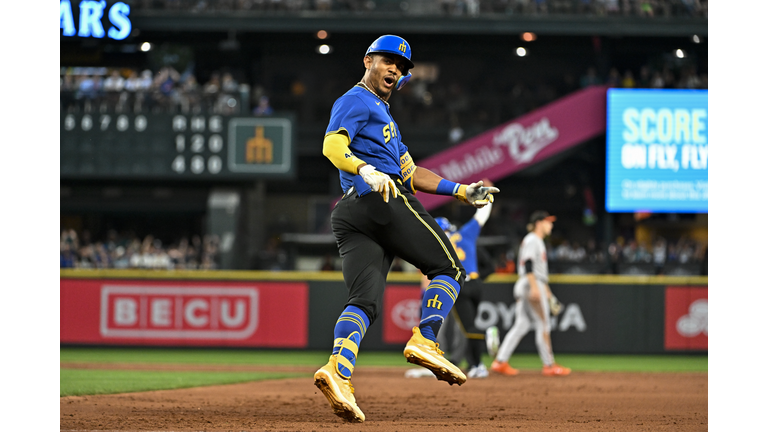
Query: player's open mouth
(389, 81)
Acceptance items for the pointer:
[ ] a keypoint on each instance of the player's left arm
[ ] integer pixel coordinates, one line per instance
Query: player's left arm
(474, 194)
(483, 213)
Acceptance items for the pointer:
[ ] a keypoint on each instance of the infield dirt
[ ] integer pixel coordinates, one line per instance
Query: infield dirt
(583, 401)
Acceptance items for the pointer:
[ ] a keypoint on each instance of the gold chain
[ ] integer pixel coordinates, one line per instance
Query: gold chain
(374, 93)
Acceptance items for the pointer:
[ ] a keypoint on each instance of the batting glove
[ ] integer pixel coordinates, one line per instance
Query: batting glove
(379, 182)
(555, 306)
(476, 195)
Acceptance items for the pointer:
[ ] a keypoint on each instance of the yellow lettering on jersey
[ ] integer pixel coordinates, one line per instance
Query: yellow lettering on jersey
(435, 303)
(455, 238)
(386, 134)
(393, 128)
(402, 46)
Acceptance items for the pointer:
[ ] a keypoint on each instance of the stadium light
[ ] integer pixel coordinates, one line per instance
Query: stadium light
(521, 52)
(696, 39)
(680, 53)
(146, 46)
(528, 36)
(323, 49)
(322, 34)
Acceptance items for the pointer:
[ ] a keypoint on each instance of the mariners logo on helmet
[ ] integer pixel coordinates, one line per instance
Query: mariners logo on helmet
(392, 44)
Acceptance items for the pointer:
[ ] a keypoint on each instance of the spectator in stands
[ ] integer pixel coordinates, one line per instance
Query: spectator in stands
(614, 79)
(228, 83)
(578, 253)
(211, 90)
(629, 80)
(190, 94)
(505, 263)
(87, 91)
(263, 108)
(590, 78)
(685, 251)
(114, 82)
(657, 81)
(67, 257)
(644, 79)
(562, 252)
(455, 133)
(659, 254)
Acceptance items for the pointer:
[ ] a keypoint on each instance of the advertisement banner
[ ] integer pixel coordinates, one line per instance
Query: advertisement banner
(686, 319)
(402, 312)
(520, 143)
(184, 313)
(657, 151)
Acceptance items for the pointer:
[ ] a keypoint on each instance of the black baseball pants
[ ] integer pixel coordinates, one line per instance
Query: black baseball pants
(370, 233)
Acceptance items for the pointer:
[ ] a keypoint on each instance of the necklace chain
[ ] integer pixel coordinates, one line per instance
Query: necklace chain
(374, 93)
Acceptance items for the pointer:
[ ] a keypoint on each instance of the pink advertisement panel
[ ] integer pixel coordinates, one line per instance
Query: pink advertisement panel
(520, 143)
(402, 312)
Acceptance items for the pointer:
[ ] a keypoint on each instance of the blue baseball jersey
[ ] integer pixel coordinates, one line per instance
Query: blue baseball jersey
(374, 135)
(465, 243)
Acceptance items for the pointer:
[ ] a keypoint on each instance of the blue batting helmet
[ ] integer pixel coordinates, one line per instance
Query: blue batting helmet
(392, 44)
(444, 223)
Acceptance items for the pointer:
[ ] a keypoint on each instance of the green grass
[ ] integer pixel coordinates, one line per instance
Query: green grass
(615, 363)
(78, 382)
(193, 356)
(100, 381)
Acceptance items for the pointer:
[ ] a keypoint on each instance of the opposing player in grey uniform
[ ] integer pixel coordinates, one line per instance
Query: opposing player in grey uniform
(534, 301)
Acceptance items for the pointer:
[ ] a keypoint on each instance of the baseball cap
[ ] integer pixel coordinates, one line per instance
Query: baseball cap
(541, 215)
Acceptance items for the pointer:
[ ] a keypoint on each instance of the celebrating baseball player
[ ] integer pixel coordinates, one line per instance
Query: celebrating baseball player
(534, 300)
(379, 218)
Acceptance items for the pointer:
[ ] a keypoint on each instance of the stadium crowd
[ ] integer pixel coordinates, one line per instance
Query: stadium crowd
(128, 251)
(89, 89)
(437, 105)
(659, 256)
(641, 8)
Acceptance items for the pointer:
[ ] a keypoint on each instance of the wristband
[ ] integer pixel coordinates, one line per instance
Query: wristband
(447, 187)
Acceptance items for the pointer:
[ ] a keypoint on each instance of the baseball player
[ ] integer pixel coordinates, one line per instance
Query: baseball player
(534, 300)
(378, 218)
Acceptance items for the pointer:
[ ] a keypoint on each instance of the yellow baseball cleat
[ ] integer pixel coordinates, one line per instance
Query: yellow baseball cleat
(339, 392)
(423, 352)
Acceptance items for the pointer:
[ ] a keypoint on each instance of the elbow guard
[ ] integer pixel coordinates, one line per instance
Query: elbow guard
(528, 266)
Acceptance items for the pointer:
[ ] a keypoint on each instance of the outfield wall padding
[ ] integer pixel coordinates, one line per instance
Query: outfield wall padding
(297, 310)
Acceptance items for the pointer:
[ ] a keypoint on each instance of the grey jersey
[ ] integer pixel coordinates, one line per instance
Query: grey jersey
(533, 249)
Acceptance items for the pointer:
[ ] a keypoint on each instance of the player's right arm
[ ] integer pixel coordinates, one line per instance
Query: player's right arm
(336, 149)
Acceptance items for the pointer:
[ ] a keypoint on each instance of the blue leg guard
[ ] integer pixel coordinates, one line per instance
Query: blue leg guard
(437, 302)
(347, 335)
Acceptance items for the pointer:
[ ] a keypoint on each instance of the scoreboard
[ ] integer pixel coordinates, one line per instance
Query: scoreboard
(170, 146)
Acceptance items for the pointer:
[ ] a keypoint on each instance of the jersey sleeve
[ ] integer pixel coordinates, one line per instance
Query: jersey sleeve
(349, 113)
(528, 251)
(470, 231)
